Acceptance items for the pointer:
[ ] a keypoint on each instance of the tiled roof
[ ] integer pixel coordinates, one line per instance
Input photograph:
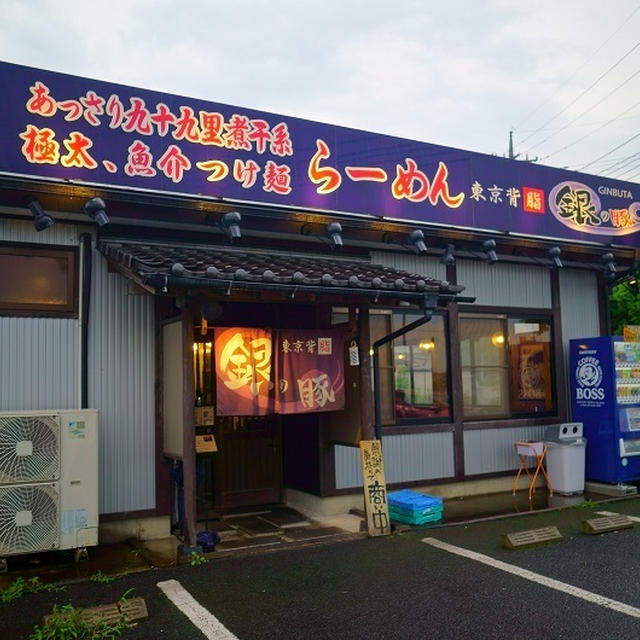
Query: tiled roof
(197, 265)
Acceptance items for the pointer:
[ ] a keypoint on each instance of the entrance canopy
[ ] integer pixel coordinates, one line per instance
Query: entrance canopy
(170, 267)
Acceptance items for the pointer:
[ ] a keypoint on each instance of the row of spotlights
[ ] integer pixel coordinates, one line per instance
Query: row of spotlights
(94, 208)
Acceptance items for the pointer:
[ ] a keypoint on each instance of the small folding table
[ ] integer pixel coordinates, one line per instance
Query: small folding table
(537, 451)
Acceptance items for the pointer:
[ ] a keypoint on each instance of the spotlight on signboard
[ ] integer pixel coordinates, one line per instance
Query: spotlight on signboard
(333, 232)
(610, 272)
(416, 241)
(41, 220)
(489, 247)
(554, 255)
(448, 258)
(230, 224)
(96, 210)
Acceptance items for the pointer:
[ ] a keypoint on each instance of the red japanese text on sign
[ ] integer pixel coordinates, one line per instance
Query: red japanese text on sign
(533, 200)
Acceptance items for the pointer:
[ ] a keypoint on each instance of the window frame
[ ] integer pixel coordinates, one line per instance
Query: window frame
(508, 316)
(69, 309)
(398, 422)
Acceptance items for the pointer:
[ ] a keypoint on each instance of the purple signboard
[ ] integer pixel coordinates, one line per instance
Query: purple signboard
(63, 127)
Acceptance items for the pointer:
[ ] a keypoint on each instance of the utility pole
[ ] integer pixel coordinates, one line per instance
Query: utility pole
(512, 156)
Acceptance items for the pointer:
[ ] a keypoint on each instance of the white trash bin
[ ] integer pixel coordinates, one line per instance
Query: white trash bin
(565, 465)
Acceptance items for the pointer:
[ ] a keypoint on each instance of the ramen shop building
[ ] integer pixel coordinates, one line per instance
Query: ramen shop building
(245, 296)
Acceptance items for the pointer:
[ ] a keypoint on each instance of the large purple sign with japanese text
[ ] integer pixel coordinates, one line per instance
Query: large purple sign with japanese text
(68, 128)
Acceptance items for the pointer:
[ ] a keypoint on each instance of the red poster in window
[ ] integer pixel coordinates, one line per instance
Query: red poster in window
(310, 370)
(244, 371)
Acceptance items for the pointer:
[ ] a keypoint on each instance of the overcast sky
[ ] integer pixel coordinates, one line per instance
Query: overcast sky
(461, 73)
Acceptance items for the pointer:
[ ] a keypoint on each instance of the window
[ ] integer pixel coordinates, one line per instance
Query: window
(420, 369)
(37, 281)
(412, 369)
(506, 366)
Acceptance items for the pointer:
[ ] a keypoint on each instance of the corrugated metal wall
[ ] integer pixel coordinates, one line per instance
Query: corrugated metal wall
(493, 450)
(414, 456)
(579, 305)
(39, 363)
(24, 231)
(509, 285)
(40, 370)
(423, 265)
(39, 356)
(121, 386)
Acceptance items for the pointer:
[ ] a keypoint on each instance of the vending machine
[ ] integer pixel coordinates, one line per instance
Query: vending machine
(605, 397)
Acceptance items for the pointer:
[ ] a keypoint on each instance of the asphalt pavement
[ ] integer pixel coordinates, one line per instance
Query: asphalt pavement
(394, 587)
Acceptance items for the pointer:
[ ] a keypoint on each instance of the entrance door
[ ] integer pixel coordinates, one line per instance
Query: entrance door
(248, 467)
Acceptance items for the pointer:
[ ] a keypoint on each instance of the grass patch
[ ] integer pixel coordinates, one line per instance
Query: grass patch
(587, 504)
(22, 587)
(103, 578)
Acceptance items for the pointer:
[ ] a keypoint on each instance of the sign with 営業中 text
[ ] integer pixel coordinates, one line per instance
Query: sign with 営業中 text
(57, 126)
(375, 488)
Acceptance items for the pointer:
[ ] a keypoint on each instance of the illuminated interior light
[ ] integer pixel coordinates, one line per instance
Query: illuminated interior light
(427, 345)
(497, 339)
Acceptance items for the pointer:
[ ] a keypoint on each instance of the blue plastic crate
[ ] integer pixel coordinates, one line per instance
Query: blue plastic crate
(410, 513)
(417, 518)
(413, 502)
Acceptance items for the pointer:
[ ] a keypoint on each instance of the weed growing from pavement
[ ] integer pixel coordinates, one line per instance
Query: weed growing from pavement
(587, 504)
(125, 596)
(196, 558)
(21, 587)
(102, 577)
(67, 622)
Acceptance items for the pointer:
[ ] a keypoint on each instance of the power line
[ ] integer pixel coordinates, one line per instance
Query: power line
(620, 164)
(631, 167)
(613, 66)
(582, 66)
(604, 155)
(594, 131)
(591, 108)
(633, 176)
(581, 125)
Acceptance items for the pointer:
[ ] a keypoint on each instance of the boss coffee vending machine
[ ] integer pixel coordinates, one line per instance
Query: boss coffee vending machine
(605, 397)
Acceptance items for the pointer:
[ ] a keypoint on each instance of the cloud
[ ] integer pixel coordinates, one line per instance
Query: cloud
(460, 73)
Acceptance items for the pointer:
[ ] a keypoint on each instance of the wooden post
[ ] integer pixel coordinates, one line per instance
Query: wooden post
(189, 430)
(367, 428)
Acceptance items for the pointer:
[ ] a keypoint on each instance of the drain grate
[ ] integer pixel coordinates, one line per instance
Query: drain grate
(133, 610)
(108, 613)
(530, 538)
(605, 525)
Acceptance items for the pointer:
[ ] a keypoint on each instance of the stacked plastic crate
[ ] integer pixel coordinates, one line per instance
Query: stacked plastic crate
(411, 507)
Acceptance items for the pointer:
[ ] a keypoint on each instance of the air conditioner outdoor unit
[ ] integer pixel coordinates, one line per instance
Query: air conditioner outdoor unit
(48, 481)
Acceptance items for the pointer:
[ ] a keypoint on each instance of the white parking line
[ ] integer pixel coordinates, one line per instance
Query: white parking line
(603, 601)
(210, 626)
(611, 513)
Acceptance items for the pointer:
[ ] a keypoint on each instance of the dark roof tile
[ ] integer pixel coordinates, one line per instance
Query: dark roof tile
(222, 263)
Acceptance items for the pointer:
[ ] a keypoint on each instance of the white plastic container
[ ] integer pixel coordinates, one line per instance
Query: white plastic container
(565, 465)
